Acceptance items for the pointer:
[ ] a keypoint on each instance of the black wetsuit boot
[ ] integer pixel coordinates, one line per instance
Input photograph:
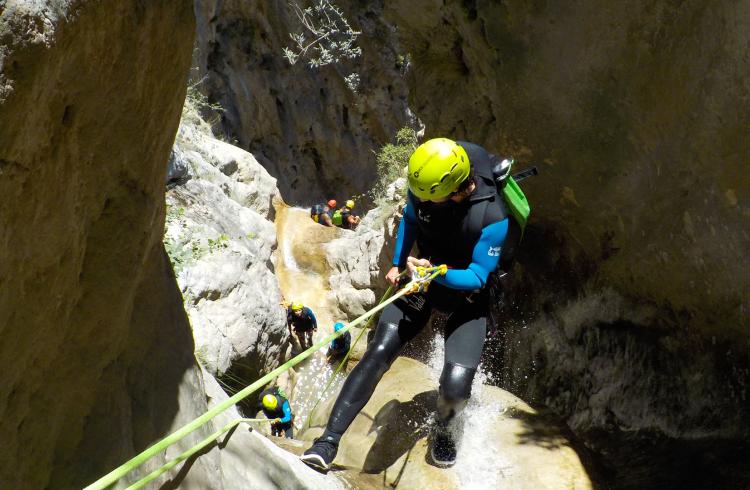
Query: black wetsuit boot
(455, 389)
(322, 453)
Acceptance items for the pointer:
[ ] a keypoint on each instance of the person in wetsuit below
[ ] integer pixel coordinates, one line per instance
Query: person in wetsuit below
(322, 213)
(340, 345)
(302, 321)
(275, 406)
(456, 217)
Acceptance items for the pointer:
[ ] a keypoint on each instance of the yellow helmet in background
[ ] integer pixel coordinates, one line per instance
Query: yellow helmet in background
(270, 402)
(350, 204)
(296, 306)
(436, 169)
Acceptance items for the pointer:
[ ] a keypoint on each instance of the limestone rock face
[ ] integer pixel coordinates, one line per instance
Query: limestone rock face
(304, 125)
(249, 460)
(220, 240)
(504, 443)
(90, 97)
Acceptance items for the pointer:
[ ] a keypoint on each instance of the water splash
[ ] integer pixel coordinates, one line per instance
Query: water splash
(476, 467)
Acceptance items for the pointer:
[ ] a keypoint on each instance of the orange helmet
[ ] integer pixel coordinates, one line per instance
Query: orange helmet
(332, 203)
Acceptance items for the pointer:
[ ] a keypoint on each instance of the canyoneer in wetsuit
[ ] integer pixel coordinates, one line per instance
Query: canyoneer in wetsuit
(276, 407)
(340, 345)
(323, 213)
(456, 216)
(349, 220)
(302, 321)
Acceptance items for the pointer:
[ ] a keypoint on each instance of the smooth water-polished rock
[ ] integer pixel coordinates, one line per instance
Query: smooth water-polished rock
(504, 443)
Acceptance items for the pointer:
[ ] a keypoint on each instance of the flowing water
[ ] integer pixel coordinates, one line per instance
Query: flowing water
(303, 276)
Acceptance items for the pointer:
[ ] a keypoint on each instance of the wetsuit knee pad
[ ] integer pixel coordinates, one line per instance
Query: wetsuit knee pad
(455, 390)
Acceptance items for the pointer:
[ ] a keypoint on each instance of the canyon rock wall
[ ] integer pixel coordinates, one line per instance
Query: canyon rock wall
(90, 98)
(304, 125)
(220, 239)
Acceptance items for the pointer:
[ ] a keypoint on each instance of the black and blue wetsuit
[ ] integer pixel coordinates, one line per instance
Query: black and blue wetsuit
(283, 412)
(469, 238)
(340, 345)
(304, 322)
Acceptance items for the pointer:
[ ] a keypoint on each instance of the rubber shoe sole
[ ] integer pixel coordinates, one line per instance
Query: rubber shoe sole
(439, 463)
(315, 462)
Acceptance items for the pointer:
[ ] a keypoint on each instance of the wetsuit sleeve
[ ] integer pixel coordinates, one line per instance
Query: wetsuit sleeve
(312, 318)
(484, 259)
(407, 233)
(287, 412)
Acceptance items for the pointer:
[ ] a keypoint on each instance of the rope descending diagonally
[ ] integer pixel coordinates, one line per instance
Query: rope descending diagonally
(346, 357)
(185, 455)
(190, 427)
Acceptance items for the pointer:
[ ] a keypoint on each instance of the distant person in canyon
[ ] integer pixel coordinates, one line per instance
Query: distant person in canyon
(348, 220)
(455, 215)
(275, 406)
(302, 323)
(323, 213)
(340, 345)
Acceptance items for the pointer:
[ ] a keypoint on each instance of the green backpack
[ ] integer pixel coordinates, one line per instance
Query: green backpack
(516, 201)
(337, 218)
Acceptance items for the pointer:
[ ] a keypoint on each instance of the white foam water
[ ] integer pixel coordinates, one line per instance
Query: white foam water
(477, 466)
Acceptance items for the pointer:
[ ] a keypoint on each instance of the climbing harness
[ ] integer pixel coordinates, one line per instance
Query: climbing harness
(114, 475)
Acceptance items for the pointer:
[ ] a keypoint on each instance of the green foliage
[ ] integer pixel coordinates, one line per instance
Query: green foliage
(392, 160)
(324, 37)
(220, 242)
(181, 254)
(174, 213)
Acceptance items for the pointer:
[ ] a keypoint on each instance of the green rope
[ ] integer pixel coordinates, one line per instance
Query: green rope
(345, 359)
(185, 455)
(139, 459)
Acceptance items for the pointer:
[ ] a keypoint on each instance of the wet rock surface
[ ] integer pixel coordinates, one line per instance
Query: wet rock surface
(503, 442)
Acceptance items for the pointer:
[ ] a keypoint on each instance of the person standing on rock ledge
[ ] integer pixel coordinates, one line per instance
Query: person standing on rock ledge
(302, 321)
(455, 214)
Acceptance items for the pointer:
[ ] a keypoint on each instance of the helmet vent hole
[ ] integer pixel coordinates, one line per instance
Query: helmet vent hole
(453, 167)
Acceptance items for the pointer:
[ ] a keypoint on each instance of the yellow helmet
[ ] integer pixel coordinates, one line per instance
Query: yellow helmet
(270, 402)
(350, 204)
(436, 169)
(296, 306)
